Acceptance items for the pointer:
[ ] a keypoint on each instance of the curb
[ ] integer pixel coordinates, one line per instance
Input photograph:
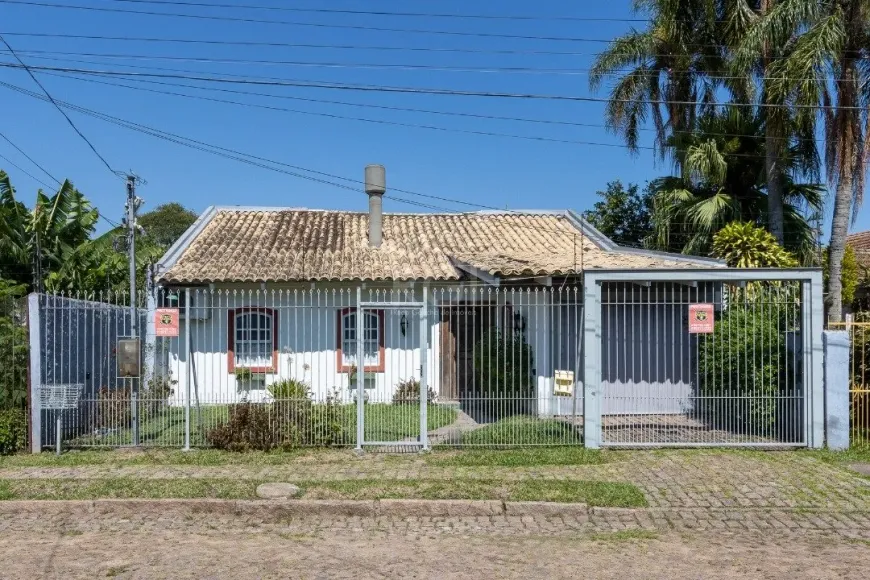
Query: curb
(276, 510)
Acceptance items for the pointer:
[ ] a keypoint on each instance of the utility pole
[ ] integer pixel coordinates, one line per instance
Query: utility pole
(133, 204)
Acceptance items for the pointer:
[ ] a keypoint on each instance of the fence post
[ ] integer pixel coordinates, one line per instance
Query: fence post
(816, 388)
(187, 357)
(837, 389)
(360, 371)
(34, 377)
(424, 370)
(592, 362)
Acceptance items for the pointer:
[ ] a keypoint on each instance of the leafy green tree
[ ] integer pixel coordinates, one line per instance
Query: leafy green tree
(722, 180)
(745, 245)
(825, 75)
(38, 241)
(166, 223)
(850, 276)
(623, 214)
(13, 347)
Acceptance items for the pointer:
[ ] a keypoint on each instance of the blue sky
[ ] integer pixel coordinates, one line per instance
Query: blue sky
(501, 172)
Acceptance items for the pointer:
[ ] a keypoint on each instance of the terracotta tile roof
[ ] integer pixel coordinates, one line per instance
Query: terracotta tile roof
(242, 245)
(860, 242)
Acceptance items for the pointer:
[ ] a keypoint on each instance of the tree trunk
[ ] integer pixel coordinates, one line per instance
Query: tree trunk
(775, 217)
(839, 231)
(772, 146)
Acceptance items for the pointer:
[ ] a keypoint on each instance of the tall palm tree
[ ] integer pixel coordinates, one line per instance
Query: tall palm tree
(723, 180)
(36, 242)
(827, 73)
(756, 61)
(663, 72)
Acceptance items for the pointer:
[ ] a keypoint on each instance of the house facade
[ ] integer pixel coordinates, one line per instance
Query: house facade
(486, 306)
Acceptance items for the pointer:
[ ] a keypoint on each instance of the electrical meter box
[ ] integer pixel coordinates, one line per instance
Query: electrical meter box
(128, 357)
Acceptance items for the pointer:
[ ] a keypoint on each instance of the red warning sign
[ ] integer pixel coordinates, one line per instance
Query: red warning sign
(701, 318)
(166, 322)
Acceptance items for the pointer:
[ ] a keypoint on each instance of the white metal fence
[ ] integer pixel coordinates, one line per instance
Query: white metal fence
(613, 363)
(499, 366)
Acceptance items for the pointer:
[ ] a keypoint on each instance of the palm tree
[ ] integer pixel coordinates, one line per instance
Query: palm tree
(38, 241)
(756, 61)
(664, 72)
(827, 36)
(723, 179)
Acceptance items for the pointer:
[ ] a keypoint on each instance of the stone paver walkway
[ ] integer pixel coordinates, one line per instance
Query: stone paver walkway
(669, 479)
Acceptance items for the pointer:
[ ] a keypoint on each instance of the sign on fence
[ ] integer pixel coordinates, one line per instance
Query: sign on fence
(166, 322)
(701, 318)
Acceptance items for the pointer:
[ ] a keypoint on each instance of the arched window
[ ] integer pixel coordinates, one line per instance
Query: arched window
(253, 340)
(373, 340)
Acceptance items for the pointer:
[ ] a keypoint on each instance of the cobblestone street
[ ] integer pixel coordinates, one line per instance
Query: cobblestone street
(711, 514)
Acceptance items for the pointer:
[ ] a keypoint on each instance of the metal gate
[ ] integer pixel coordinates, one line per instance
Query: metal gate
(379, 424)
(705, 358)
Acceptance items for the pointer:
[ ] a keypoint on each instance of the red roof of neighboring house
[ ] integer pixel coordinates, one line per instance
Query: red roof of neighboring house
(860, 241)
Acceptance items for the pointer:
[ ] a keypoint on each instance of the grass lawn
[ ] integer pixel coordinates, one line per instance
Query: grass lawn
(524, 457)
(594, 493)
(524, 430)
(166, 428)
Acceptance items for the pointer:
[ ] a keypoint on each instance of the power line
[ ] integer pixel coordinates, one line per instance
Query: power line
(29, 158)
(24, 171)
(352, 104)
(381, 121)
(309, 24)
(62, 112)
(299, 45)
(520, 17)
(359, 65)
(344, 117)
(401, 89)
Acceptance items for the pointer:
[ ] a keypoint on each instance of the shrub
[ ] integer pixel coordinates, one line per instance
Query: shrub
(154, 398)
(113, 408)
(13, 431)
(503, 364)
(248, 428)
(745, 245)
(743, 367)
(408, 392)
(292, 419)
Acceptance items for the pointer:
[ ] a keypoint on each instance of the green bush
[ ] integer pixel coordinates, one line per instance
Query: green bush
(503, 363)
(113, 408)
(13, 431)
(291, 420)
(248, 428)
(13, 348)
(743, 366)
(408, 392)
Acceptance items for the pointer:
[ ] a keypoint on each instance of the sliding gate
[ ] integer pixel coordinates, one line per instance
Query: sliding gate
(704, 357)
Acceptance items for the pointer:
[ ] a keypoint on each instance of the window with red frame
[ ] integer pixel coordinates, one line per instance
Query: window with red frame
(373, 340)
(253, 339)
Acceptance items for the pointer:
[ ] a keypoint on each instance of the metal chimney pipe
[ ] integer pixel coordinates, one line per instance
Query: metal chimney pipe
(376, 186)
